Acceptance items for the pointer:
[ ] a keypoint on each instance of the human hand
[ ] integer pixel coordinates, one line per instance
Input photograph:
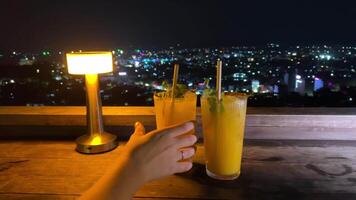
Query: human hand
(146, 157)
(162, 152)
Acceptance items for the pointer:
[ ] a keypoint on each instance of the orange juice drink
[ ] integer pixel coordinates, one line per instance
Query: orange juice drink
(223, 129)
(171, 111)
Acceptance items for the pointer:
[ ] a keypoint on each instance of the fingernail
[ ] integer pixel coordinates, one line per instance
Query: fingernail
(190, 125)
(137, 124)
(194, 138)
(192, 151)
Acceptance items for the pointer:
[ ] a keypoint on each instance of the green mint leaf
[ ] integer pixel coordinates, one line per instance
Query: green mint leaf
(215, 106)
(180, 90)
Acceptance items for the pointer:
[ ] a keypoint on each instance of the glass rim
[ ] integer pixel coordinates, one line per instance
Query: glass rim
(229, 94)
(155, 95)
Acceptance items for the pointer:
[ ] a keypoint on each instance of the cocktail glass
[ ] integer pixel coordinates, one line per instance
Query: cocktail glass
(223, 130)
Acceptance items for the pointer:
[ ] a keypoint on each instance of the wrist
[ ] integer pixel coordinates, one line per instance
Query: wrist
(130, 171)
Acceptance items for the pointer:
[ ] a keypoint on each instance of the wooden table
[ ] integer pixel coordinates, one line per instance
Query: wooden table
(271, 169)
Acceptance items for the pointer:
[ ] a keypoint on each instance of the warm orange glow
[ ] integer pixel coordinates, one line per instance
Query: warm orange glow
(96, 140)
(89, 62)
(91, 78)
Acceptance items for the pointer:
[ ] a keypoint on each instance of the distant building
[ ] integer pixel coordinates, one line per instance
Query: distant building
(318, 83)
(299, 85)
(309, 86)
(239, 76)
(266, 89)
(286, 78)
(334, 87)
(290, 80)
(25, 61)
(275, 89)
(255, 86)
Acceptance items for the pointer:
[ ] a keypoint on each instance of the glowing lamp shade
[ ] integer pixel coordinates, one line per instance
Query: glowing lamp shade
(89, 62)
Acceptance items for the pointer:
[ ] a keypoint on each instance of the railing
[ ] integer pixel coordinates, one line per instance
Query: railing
(261, 123)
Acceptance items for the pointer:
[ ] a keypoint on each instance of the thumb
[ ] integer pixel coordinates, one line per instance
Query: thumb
(139, 129)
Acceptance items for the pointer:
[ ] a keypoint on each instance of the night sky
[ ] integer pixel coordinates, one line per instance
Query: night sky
(35, 25)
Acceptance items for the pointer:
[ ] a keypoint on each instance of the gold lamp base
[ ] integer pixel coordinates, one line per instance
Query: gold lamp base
(96, 143)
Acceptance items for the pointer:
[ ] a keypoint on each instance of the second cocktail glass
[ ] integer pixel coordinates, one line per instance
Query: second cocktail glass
(176, 105)
(174, 111)
(223, 129)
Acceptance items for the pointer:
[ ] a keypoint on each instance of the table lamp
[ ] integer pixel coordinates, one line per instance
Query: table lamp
(91, 64)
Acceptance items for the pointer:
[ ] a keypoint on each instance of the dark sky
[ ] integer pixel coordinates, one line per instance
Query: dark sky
(76, 24)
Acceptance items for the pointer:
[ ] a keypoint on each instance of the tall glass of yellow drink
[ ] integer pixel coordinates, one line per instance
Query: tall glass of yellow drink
(223, 129)
(171, 111)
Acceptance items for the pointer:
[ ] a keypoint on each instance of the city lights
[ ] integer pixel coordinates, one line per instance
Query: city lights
(267, 72)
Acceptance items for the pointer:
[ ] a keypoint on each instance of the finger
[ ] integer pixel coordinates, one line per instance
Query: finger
(139, 129)
(182, 129)
(185, 141)
(181, 167)
(174, 131)
(185, 153)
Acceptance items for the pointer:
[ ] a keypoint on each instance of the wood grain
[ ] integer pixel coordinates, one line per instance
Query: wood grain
(37, 196)
(53, 170)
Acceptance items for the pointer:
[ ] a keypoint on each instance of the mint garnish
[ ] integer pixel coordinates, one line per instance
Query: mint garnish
(180, 90)
(215, 106)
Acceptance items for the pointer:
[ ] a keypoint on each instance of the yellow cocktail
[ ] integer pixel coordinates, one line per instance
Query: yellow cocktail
(170, 111)
(223, 129)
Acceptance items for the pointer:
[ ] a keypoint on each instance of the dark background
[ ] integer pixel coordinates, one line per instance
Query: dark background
(43, 24)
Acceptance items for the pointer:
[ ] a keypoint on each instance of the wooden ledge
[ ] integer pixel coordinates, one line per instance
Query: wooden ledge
(126, 116)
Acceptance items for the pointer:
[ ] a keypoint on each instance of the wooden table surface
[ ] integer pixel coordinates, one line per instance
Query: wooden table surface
(270, 170)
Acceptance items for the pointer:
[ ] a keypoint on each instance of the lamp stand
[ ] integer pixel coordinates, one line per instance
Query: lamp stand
(96, 140)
